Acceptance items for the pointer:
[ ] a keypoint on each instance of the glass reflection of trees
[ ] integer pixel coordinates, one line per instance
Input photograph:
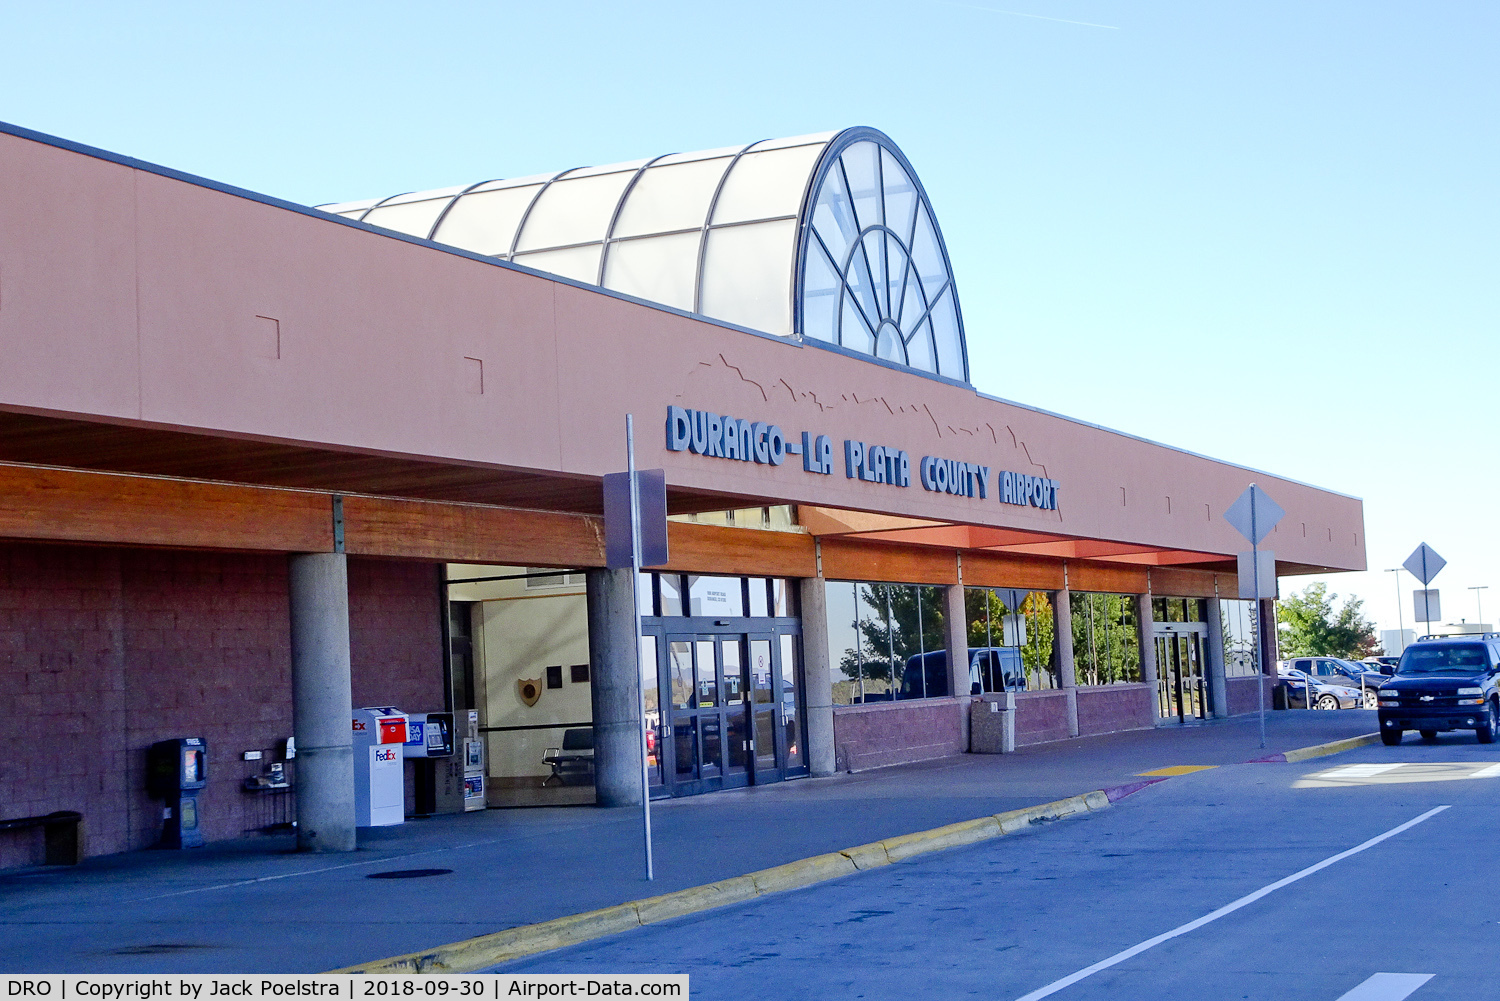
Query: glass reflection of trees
(873, 630)
(1015, 619)
(1238, 621)
(1106, 647)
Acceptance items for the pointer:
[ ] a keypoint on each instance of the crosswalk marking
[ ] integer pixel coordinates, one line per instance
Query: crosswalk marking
(1387, 987)
(1360, 771)
(1382, 773)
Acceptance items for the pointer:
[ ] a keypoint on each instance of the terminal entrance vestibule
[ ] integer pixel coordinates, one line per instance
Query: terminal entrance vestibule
(1183, 692)
(729, 712)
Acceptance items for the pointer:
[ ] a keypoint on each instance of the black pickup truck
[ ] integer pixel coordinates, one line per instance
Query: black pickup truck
(1444, 683)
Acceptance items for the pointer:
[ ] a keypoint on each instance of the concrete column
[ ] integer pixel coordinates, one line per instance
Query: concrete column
(1147, 638)
(1062, 648)
(322, 706)
(613, 688)
(1218, 687)
(956, 642)
(817, 675)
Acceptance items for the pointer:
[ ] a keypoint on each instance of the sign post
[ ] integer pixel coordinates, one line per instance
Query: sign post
(1424, 564)
(635, 535)
(1253, 515)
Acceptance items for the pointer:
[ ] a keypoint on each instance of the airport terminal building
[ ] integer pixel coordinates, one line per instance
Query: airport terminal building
(263, 465)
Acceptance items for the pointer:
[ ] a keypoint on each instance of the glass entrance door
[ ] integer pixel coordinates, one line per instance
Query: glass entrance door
(708, 748)
(1182, 690)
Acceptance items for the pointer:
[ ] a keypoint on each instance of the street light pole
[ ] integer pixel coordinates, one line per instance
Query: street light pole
(1479, 599)
(1400, 620)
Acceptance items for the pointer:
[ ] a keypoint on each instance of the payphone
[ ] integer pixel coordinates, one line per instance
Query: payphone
(175, 770)
(473, 755)
(428, 735)
(379, 776)
(437, 774)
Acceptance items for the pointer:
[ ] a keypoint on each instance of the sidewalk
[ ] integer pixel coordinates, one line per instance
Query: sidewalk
(256, 906)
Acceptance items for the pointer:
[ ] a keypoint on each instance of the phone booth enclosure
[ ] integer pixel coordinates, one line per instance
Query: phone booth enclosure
(437, 774)
(176, 770)
(176, 765)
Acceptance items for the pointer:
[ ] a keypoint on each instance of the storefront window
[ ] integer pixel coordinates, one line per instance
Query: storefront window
(781, 597)
(1015, 630)
(843, 642)
(881, 638)
(759, 604)
(1178, 609)
(1106, 647)
(671, 594)
(1238, 621)
(645, 593)
(715, 597)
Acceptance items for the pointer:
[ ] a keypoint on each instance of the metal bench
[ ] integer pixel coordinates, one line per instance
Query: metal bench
(573, 763)
(60, 831)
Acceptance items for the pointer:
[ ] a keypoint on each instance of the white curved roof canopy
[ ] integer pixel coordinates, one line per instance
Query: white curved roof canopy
(828, 237)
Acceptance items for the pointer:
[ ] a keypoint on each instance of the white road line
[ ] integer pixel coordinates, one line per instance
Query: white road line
(1360, 771)
(1492, 772)
(1230, 908)
(1387, 987)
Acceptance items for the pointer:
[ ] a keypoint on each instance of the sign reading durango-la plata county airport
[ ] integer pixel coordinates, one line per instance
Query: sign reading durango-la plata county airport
(721, 436)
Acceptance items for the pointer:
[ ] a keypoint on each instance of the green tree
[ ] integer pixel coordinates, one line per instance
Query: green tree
(986, 610)
(1310, 627)
(1105, 648)
(889, 618)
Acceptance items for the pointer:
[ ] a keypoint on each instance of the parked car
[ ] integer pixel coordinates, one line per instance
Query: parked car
(1346, 672)
(1444, 683)
(1294, 685)
(991, 669)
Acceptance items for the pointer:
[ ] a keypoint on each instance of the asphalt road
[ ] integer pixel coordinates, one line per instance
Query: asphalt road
(254, 905)
(1011, 918)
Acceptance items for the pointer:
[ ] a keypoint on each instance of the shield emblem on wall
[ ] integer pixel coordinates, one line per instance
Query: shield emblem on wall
(530, 689)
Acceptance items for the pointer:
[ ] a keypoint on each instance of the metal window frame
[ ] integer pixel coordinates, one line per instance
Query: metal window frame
(830, 160)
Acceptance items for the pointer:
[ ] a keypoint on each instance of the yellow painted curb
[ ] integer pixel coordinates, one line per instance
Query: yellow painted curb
(1015, 820)
(528, 940)
(803, 872)
(952, 836)
(696, 898)
(1332, 747)
(867, 856)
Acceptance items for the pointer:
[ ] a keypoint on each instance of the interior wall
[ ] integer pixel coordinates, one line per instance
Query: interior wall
(520, 632)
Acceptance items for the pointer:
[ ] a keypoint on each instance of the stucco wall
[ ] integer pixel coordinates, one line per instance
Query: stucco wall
(522, 633)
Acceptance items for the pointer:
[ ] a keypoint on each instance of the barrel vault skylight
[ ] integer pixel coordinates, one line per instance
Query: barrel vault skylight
(827, 237)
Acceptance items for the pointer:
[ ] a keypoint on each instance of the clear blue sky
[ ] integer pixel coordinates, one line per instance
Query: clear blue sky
(1263, 231)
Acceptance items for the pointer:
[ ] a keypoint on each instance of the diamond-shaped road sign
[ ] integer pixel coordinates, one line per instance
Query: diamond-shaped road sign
(1254, 514)
(1424, 563)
